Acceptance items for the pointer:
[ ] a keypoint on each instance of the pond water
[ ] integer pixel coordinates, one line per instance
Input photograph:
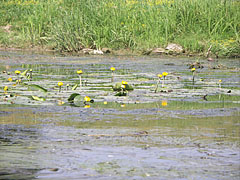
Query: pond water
(178, 130)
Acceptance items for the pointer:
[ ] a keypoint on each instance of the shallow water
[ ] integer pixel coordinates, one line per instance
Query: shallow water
(172, 134)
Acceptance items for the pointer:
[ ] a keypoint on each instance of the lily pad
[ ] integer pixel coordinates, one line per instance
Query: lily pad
(36, 98)
(37, 87)
(118, 87)
(72, 97)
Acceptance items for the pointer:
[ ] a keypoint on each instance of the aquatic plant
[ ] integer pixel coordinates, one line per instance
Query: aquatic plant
(164, 74)
(112, 69)
(164, 103)
(10, 79)
(220, 83)
(193, 74)
(17, 72)
(79, 72)
(60, 86)
(67, 86)
(158, 81)
(5, 89)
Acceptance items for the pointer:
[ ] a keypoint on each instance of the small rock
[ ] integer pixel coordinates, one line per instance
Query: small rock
(158, 51)
(175, 48)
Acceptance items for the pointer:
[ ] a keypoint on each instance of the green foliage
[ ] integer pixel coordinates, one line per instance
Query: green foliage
(70, 25)
(36, 98)
(36, 87)
(118, 87)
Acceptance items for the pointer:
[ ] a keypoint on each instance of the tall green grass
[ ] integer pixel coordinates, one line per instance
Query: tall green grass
(70, 25)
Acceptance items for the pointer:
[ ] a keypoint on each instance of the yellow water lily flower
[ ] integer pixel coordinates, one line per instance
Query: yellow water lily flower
(10, 79)
(18, 81)
(159, 75)
(60, 102)
(87, 106)
(123, 105)
(164, 103)
(123, 86)
(60, 84)
(105, 102)
(112, 68)
(164, 74)
(5, 88)
(79, 72)
(17, 72)
(193, 69)
(87, 99)
(220, 81)
(124, 82)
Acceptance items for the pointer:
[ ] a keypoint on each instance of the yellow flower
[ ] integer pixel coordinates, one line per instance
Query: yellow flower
(123, 86)
(79, 72)
(164, 103)
(87, 106)
(123, 105)
(60, 84)
(87, 99)
(220, 81)
(105, 102)
(159, 75)
(112, 68)
(164, 74)
(5, 88)
(143, 25)
(124, 82)
(193, 69)
(18, 81)
(10, 79)
(17, 72)
(60, 102)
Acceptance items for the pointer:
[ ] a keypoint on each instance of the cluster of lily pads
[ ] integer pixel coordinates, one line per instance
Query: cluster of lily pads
(25, 79)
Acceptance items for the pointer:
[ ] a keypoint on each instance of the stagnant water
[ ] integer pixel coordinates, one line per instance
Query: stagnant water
(185, 130)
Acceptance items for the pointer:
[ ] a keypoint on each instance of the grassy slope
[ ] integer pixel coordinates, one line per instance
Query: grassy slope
(69, 25)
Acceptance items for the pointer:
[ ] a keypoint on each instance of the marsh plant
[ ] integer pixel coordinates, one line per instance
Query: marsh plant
(70, 25)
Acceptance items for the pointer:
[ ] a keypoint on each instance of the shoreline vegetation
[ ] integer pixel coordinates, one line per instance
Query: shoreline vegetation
(147, 27)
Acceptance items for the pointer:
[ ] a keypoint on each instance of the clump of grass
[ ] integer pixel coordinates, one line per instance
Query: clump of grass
(70, 25)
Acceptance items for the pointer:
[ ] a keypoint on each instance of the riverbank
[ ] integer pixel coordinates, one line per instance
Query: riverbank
(206, 28)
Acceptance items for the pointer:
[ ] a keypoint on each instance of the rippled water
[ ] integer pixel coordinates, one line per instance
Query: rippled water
(133, 137)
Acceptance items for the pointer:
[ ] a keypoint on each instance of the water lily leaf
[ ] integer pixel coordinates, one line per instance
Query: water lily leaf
(118, 87)
(75, 87)
(121, 94)
(38, 98)
(72, 97)
(37, 87)
(24, 72)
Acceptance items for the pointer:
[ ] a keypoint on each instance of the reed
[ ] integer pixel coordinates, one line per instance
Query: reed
(70, 25)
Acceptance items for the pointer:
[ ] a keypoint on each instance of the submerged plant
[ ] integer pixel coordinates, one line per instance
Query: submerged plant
(60, 86)
(164, 77)
(79, 72)
(112, 69)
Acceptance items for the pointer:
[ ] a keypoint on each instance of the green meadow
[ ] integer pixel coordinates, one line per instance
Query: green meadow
(132, 25)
